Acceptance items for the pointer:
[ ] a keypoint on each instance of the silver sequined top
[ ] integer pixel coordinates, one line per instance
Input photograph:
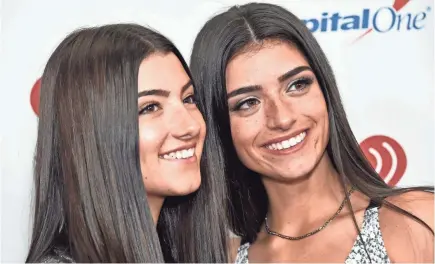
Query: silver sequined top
(371, 234)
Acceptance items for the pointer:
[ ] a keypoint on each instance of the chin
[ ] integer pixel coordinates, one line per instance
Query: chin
(290, 174)
(185, 187)
(300, 176)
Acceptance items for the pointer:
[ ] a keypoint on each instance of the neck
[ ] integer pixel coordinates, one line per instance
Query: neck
(155, 203)
(295, 206)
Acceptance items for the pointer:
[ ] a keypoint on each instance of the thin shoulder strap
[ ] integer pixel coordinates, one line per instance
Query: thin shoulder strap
(242, 254)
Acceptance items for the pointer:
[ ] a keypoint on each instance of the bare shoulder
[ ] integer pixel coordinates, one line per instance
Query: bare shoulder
(233, 245)
(418, 203)
(406, 239)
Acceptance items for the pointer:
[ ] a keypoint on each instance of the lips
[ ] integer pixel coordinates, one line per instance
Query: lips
(287, 143)
(180, 154)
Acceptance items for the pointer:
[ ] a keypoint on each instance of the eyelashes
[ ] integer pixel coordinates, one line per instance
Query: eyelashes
(191, 99)
(150, 108)
(300, 84)
(154, 106)
(246, 104)
(295, 88)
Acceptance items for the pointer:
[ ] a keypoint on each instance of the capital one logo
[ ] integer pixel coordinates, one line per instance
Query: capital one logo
(386, 156)
(381, 20)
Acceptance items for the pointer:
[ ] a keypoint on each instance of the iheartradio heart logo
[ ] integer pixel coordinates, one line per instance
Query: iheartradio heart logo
(34, 96)
(386, 156)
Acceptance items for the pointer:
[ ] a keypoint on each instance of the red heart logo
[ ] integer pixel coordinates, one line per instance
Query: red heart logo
(34, 96)
(386, 156)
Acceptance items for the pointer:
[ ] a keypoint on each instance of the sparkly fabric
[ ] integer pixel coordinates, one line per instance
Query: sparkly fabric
(242, 254)
(371, 234)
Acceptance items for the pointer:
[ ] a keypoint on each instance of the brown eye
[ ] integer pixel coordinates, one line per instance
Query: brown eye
(299, 85)
(190, 99)
(247, 104)
(149, 108)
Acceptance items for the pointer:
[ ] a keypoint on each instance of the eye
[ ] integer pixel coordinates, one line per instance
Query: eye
(246, 104)
(190, 99)
(150, 108)
(299, 85)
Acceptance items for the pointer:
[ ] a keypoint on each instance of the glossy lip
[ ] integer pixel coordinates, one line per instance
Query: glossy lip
(288, 150)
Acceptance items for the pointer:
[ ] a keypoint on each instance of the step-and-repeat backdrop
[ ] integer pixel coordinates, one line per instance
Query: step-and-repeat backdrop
(381, 51)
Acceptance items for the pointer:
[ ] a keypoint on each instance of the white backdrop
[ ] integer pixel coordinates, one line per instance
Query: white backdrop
(386, 78)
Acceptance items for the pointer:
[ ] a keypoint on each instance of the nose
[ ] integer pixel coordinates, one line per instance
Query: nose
(183, 125)
(279, 115)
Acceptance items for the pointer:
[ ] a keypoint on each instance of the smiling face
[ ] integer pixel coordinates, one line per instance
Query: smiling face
(171, 128)
(278, 115)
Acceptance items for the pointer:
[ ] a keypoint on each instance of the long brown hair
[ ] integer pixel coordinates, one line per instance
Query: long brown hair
(90, 199)
(220, 39)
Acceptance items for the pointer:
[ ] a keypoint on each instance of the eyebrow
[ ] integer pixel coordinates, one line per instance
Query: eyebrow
(293, 72)
(164, 93)
(253, 88)
(186, 86)
(242, 90)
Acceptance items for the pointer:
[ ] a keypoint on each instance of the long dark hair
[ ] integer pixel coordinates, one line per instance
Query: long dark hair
(223, 37)
(90, 200)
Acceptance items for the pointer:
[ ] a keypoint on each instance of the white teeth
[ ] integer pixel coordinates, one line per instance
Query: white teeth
(285, 144)
(299, 139)
(181, 154)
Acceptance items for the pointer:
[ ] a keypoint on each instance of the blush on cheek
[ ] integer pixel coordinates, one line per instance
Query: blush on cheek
(147, 135)
(151, 139)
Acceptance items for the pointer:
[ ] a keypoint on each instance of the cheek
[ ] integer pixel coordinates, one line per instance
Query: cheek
(313, 105)
(150, 140)
(320, 113)
(243, 132)
(202, 132)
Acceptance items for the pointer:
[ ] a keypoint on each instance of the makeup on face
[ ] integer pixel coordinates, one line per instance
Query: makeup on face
(278, 116)
(171, 128)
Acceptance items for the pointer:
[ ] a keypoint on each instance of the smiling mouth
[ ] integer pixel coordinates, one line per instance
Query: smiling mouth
(179, 154)
(288, 143)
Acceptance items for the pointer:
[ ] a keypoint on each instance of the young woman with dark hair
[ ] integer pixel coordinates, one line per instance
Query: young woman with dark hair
(300, 188)
(119, 171)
